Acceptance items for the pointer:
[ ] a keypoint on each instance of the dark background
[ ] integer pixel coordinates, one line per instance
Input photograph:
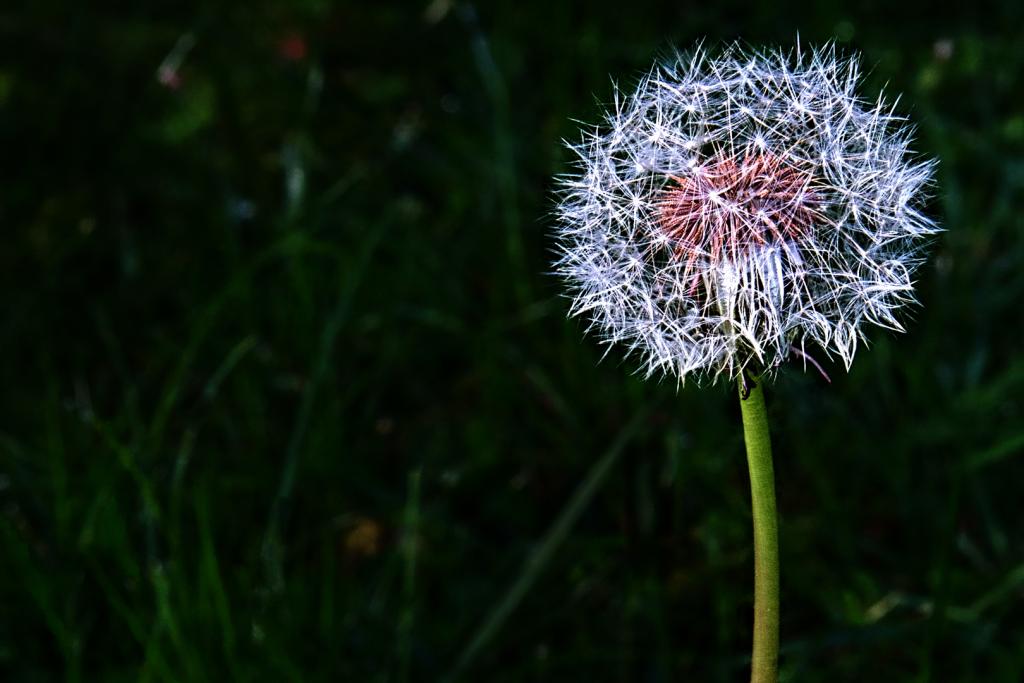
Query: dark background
(288, 394)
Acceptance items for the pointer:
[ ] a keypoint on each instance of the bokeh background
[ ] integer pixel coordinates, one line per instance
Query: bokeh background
(289, 394)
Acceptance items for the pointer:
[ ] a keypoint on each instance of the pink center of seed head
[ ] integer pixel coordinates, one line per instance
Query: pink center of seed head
(729, 206)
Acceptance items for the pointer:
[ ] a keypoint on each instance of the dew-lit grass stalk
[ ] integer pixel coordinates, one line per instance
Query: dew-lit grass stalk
(765, 654)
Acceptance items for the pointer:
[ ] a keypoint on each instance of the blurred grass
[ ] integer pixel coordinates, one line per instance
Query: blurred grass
(288, 395)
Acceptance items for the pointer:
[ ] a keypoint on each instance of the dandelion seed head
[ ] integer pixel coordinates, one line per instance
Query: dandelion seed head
(739, 205)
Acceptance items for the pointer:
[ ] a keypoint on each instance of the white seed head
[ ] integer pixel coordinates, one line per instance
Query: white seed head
(739, 206)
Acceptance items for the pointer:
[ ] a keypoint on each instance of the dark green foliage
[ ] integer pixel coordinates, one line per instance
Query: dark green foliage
(289, 396)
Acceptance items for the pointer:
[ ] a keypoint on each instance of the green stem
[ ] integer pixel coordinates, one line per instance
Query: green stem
(764, 660)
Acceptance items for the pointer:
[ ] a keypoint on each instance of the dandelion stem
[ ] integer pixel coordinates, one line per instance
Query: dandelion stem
(765, 654)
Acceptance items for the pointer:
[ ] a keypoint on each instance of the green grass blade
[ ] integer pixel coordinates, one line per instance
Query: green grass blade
(539, 559)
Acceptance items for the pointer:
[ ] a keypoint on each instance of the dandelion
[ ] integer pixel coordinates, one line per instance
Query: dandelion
(735, 210)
